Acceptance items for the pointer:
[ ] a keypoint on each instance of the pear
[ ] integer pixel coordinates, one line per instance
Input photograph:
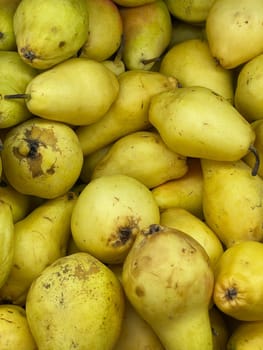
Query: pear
(245, 39)
(55, 33)
(144, 156)
(197, 122)
(132, 3)
(116, 66)
(183, 220)
(129, 111)
(185, 192)
(40, 238)
(110, 211)
(220, 330)
(42, 158)
(239, 283)
(15, 331)
(104, 15)
(192, 63)
(75, 302)
(168, 279)
(7, 35)
(183, 31)
(247, 335)
(15, 75)
(77, 91)
(232, 201)
(147, 32)
(249, 82)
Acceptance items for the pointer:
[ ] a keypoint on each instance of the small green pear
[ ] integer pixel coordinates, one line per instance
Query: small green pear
(56, 31)
(147, 32)
(144, 156)
(197, 122)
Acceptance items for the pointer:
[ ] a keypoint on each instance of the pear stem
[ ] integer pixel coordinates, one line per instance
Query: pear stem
(253, 150)
(15, 96)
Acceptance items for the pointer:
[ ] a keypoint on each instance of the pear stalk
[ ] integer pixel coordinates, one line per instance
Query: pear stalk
(17, 96)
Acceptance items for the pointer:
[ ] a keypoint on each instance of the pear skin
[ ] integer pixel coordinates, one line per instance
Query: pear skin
(232, 201)
(190, 11)
(7, 35)
(168, 279)
(147, 32)
(247, 336)
(129, 111)
(220, 328)
(197, 122)
(132, 3)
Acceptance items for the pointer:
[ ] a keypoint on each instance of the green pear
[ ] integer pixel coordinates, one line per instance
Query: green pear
(7, 35)
(190, 11)
(192, 64)
(15, 75)
(55, 32)
(144, 156)
(168, 279)
(39, 239)
(104, 15)
(78, 91)
(234, 31)
(197, 122)
(147, 32)
(129, 111)
(248, 100)
(232, 201)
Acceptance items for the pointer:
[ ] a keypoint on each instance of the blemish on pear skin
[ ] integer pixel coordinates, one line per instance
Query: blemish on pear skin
(139, 291)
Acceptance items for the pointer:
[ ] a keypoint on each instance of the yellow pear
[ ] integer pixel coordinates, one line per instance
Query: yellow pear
(7, 36)
(110, 211)
(105, 30)
(55, 33)
(14, 78)
(183, 220)
(248, 101)
(147, 32)
(168, 279)
(78, 91)
(185, 192)
(238, 289)
(42, 158)
(197, 122)
(248, 335)
(129, 111)
(192, 63)
(144, 156)
(220, 330)
(15, 331)
(232, 201)
(40, 238)
(234, 31)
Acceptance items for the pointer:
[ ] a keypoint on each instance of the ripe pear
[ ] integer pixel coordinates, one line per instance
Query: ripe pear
(168, 279)
(234, 31)
(77, 302)
(249, 82)
(144, 156)
(247, 335)
(78, 91)
(104, 17)
(232, 201)
(110, 211)
(192, 63)
(197, 122)
(185, 192)
(39, 239)
(147, 32)
(239, 281)
(15, 331)
(14, 78)
(183, 220)
(7, 35)
(42, 158)
(55, 33)
(129, 111)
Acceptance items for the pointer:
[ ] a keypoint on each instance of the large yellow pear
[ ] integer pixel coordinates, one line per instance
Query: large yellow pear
(56, 31)
(144, 156)
(42, 158)
(78, 91)
(232, 201)
(247, 335)
(109, 213)
(197, 122)
(238, 289)
(168, 279)
(77, 302)
(234, 31)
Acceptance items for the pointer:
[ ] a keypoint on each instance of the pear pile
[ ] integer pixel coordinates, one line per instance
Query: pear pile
(131, 174)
